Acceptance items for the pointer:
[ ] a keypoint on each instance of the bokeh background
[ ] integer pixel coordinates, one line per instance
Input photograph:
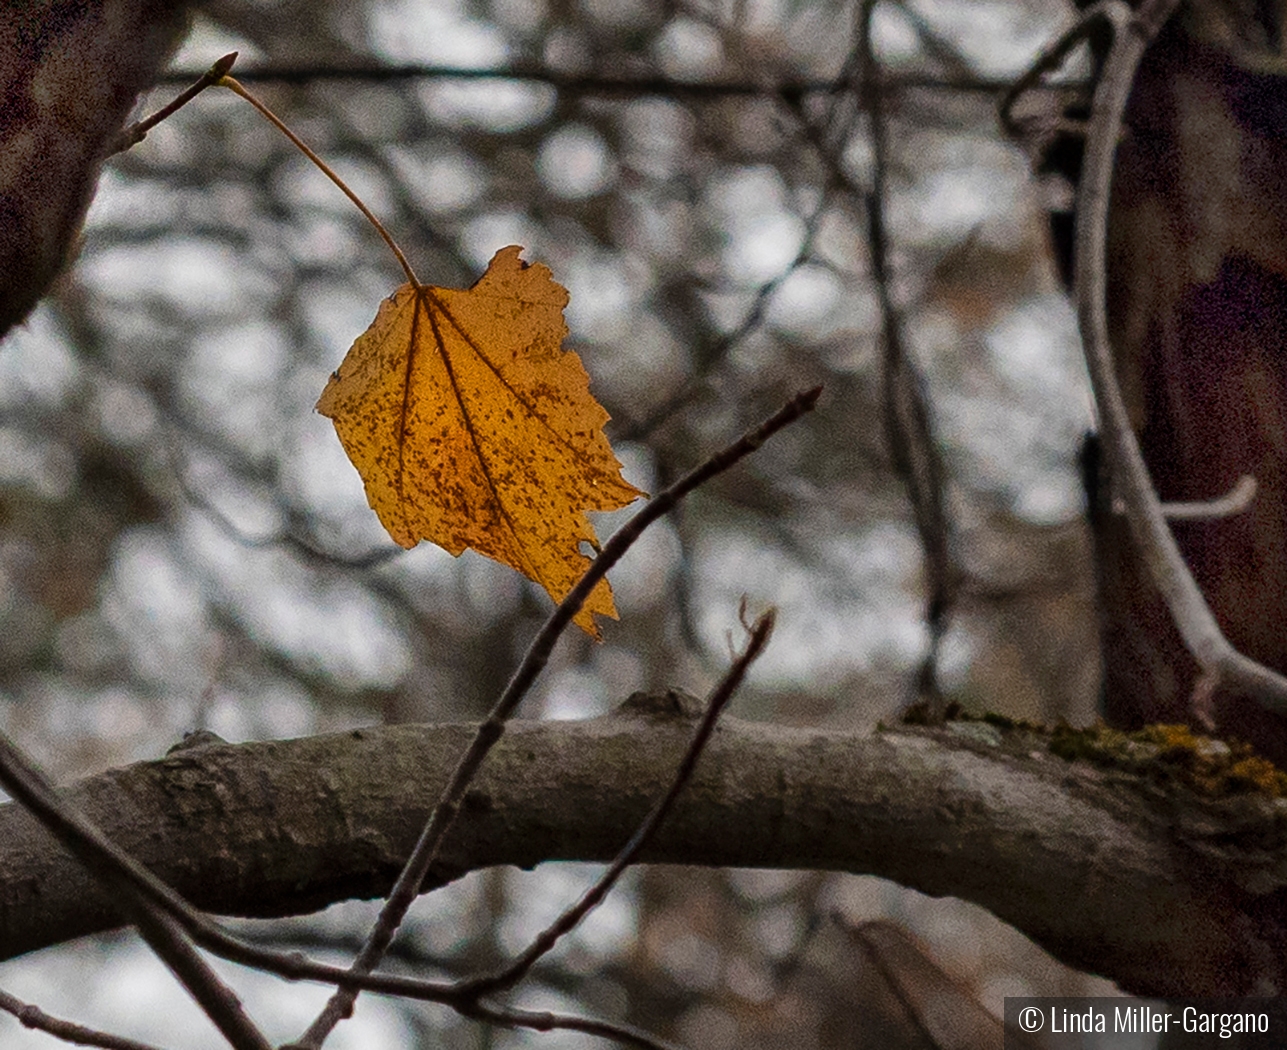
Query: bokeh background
(183, 544)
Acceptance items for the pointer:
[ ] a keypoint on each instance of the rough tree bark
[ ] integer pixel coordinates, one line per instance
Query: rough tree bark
(1159, 889)
(70, 71)
(1198, 321)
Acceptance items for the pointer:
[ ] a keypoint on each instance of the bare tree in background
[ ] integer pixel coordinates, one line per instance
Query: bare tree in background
(745, 202)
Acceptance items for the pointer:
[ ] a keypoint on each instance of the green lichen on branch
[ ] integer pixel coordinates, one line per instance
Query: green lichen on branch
(1210, 767)
(1164, 754)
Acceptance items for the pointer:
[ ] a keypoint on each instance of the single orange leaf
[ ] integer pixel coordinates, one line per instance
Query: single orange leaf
(472, 427)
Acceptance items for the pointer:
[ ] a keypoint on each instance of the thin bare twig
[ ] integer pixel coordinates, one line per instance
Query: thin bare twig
(546, 1021)
(135, 133)
(607, 84)
(20, 777)
(172, 945)
(1234, 502)
(68, 1031)
(1220, 662)
(908, 426)
(425, 852)
(544, 942)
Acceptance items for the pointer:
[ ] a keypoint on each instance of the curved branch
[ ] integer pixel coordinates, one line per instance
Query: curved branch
(1165, 893)
(1221, 663)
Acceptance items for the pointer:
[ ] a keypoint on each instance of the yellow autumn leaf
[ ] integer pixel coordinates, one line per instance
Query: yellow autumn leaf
(471, 426)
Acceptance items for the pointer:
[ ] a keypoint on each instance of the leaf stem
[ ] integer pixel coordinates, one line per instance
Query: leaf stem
(232, 85)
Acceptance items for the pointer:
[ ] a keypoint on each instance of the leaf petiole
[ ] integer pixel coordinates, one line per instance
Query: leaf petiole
(235, 86)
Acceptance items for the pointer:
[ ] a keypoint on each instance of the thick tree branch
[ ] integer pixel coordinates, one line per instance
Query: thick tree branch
(1162, 891)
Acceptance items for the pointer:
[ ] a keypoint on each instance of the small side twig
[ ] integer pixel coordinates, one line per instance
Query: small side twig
(133, 134)
(425, 853)
(547, 1021)
(1234, 502)
(68, 1031)
(544, 942)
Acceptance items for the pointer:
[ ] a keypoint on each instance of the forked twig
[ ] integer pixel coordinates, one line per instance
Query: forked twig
(425, 853)
(544, 942)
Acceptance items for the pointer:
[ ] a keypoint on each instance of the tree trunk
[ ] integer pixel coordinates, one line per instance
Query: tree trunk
(1197, 302)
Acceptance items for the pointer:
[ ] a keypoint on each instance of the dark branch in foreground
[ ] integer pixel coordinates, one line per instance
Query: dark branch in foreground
(168, 941)
(1164, 892)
